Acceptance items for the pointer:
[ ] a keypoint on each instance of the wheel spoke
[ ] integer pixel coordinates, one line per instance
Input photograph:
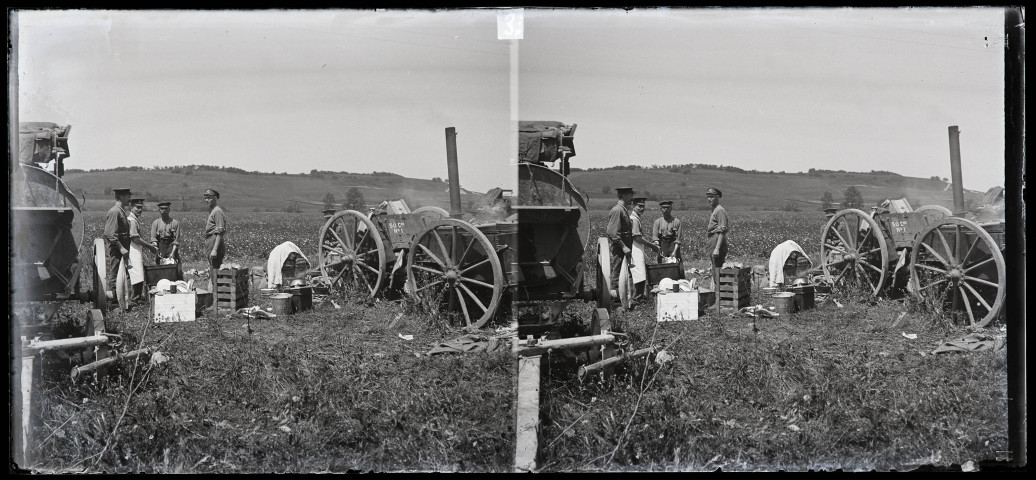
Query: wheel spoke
(366, 281)
(840, 275)
(863, 241)
(464, 308)
(873, 250)
(473, 297)
(945, 244)
(964, 260)
(934, 253)
(474, 266)
(849, 233)
(460, 261)
(340, 252)
(340, 273)
(835, 247)
(930, 285)
(967, 304)
(446, 253)
(872, 267)
(341, 242)
(429, 285)
(979, 264)
(863, 272)
(368, 267)
(977, 296)
(987, 283)
(929, 267)
(368, 252)
(845, 243)
(432, 256)
(476, 282)
(366, 235)
(429, 270)
(956, 301)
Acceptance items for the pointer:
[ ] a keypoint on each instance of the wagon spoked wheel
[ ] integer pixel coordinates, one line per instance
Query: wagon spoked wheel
(853, 252)
(352, 253)
(431, 213)
(100, 273)
(935, 208)
(957, 264)
(454, 270)
(604, 296)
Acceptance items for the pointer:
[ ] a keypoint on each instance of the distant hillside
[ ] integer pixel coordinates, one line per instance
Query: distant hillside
(250, 191)
(684, 184)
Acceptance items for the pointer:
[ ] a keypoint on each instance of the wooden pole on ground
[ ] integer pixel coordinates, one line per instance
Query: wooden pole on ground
(527, 414)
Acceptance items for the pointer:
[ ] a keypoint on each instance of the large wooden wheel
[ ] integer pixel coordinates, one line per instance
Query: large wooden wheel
(958, 265)
(352, 253)
(854, 253)
(454, 270)
(431, 213)
(935, 208)
(622, 291)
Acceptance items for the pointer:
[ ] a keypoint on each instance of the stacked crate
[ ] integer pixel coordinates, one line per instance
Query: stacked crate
(232, 288)
(735, 288)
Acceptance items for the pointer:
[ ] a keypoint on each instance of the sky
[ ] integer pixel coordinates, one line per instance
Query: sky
(363, 91)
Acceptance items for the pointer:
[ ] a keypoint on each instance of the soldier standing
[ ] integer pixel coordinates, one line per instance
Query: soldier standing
(136, 248)
(638, 266)
(165, 237)
(620, 233)
(719, 225)
(215, 230)
(665, 233)
(116, 236)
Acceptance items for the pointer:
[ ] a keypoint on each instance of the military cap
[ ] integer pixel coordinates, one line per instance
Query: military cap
(211, 193)
(121, 191)
(135, 201)
(665, 203)
(624, 190)
(639, 200)
(329, 211)
(164, 204)
(713, 191)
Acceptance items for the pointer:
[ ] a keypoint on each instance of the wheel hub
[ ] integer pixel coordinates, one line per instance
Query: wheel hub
(955, 275)
(452, 276)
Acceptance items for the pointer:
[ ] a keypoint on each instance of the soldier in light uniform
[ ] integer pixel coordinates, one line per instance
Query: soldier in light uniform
(165, 237)
(117, 238)
(137, 247)
(638, 266)
(215, 230)
(620, 233)
(665, 233)
(716, 243)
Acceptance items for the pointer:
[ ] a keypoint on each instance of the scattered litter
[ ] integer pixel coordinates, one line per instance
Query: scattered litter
(837, 303)
(284, 428)
(968, 466)
(405, 337)
(256, 312)
(911, 336)
(758, 311)
(469, 343)
(973, 342)
(158, 358)
(336, 305)
(663, 357)
(794, 428)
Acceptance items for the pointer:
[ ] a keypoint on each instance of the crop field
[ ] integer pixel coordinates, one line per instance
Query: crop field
(348, 386)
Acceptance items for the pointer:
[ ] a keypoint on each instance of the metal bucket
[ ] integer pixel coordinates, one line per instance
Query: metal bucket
(769, 291)
(282, 303)
(784, 302)
(302, 298)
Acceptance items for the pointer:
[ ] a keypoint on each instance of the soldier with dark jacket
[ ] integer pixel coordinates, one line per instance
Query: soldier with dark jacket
(117, 237)
(620, 233)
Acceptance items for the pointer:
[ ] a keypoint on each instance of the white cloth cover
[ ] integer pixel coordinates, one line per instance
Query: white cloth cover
(136, 273)
(780, 255)
(639, 268)
(277, 258)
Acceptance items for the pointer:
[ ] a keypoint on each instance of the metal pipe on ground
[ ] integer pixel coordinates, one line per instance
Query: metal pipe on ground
(90, 367)
(587, 370)
(541, 347)
(65, 343)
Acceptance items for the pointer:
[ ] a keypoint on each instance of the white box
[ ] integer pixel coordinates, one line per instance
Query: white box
(174, 307)
(676, 306)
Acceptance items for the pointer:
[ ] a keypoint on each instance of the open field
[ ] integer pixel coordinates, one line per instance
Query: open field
(337, 389)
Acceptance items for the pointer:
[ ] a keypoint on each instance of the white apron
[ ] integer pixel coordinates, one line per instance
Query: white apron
(136, 273)
(639, 268)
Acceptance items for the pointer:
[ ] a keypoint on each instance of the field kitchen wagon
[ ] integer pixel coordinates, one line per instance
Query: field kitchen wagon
(524, 248)
(953, 262)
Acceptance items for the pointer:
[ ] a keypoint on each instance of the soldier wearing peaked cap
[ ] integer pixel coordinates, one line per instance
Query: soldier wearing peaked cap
(165, 237)
(666, 232)
(136, 248)
(638, 264)
(620, 233)
(716, 243)
(117, 238)
(215, 231)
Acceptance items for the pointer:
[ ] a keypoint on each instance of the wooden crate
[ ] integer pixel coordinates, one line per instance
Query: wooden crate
(735, 288)
(232, 287)
(676, 306)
